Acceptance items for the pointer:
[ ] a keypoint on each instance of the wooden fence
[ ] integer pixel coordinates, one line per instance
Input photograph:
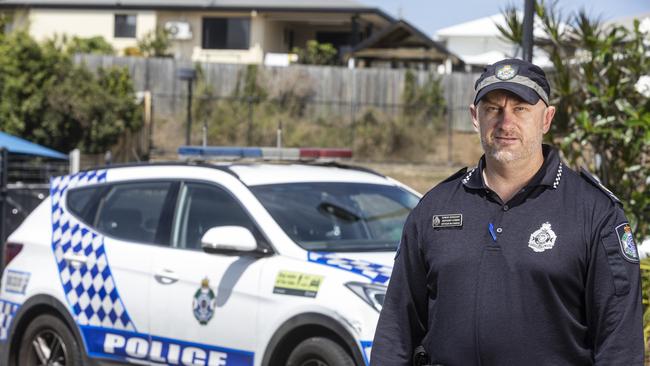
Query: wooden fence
(328, 91)
(327, 85)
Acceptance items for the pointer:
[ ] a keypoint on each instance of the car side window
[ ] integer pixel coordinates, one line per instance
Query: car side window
(82, 202)
(136, 212)
(204, 206)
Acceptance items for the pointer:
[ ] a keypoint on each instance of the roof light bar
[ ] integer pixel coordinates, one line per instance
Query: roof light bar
(262, 153)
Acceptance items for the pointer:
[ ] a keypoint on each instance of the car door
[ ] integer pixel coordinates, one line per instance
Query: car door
(204, 306)
(130, 224)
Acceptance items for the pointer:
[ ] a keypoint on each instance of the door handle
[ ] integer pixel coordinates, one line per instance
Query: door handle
(166, 277)
(75, 260)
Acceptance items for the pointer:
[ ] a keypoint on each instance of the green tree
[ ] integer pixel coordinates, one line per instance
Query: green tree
(317, 54)
(46, 98)
(96, 45)
(156, 43)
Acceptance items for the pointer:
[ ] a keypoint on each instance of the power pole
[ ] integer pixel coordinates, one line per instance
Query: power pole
(529, 11)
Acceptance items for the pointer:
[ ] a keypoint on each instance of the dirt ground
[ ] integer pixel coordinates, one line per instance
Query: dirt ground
(421, 177)
(424, 175)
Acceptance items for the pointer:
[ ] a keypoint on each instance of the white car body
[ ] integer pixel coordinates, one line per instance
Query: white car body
(137, 303)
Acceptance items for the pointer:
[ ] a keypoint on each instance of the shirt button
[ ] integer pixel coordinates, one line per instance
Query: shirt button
(505, 207)
(499, 230)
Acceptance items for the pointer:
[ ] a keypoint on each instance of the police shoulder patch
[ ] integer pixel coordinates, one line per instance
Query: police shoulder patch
(596, 182)
(626, 242)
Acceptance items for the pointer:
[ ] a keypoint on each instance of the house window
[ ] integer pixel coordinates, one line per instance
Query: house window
(226, 33)
(125, 25)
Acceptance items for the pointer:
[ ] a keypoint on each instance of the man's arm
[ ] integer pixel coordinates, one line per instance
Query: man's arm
(613, 296)
(403, 319)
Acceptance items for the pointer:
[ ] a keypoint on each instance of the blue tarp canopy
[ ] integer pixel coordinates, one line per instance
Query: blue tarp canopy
(16, 145)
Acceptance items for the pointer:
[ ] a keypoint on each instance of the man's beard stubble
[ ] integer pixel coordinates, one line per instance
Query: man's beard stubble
(527, 149)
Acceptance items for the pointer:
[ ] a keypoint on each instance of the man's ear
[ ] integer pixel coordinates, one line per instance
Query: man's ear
(548, 118)
(473, 110)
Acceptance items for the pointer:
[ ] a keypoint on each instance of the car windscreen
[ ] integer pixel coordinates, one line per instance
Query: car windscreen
(339, 216)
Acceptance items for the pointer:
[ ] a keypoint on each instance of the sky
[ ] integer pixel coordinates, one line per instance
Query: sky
(431, 15)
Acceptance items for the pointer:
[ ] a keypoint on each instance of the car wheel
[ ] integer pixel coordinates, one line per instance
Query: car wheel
(47, 341)
(318, 351)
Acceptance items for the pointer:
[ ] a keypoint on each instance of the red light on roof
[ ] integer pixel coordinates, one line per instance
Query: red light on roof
(325, 153)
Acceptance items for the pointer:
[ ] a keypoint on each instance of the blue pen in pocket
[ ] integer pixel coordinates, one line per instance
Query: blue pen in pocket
(491, 230)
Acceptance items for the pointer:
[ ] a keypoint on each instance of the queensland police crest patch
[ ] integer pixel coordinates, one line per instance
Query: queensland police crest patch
(542, 239)
(626, 241)
(204, 303)
(506, 72)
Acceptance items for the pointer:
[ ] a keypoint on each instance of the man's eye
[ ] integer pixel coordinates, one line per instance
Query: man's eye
(520, 109)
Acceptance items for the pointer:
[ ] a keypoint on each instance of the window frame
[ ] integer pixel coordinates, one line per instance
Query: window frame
(105, 188)
(264, 245)
(204, 42)
(125, 34)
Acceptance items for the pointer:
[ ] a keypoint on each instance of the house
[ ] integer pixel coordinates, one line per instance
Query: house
(227, 31)
(479, 42)
(402, 45)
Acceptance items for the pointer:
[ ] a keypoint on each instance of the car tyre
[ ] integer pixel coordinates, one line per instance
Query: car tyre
(319, 351)
(48, 341)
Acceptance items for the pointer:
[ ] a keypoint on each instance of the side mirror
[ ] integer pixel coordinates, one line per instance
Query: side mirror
(228, 240)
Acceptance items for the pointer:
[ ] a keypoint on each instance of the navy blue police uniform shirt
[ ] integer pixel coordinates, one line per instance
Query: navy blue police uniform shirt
(549, 278)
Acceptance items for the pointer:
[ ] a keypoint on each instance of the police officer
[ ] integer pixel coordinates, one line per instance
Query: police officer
(519, 261)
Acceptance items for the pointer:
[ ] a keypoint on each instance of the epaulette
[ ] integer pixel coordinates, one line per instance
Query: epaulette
(596, 182)
(455, 175)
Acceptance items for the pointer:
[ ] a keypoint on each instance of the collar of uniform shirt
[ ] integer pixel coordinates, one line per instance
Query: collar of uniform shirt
(548, 174)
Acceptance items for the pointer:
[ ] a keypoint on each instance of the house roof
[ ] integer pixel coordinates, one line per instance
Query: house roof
(234, 5)
(404, 36)
(482, 27)
(628, 21)
(17, 145)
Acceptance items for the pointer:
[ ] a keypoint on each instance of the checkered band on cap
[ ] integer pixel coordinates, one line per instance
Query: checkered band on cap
(375, 272)
(7, 313)
(90, 288)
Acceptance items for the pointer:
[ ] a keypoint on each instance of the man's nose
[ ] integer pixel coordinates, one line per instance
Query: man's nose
(507, 118)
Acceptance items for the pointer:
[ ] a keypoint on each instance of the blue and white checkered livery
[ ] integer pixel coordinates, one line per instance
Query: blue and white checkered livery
(7, 312)
(375, 272)
(90, 289)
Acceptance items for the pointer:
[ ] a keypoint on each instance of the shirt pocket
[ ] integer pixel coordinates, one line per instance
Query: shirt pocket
(617, 264)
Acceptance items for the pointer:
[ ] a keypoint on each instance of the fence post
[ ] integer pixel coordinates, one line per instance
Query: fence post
(450, 136)
(4, 171)
(249, 133)
(353, 109)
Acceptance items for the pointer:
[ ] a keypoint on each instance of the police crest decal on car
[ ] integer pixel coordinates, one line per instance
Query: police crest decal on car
(542, 239)
(204, 302)
(626, 240)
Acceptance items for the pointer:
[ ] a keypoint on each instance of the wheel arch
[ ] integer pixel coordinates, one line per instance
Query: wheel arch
(35, 306)
(303, 326)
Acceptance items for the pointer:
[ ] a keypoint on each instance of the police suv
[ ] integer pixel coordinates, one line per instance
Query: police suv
(220, 264)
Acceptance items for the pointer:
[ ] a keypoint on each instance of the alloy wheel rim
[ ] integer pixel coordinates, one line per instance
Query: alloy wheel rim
(48, 349)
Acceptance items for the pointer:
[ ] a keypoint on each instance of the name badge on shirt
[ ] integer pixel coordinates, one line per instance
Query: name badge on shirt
(449, 220)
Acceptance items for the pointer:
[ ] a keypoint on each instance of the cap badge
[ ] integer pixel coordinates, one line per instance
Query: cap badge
(542, 239)
(506, 72)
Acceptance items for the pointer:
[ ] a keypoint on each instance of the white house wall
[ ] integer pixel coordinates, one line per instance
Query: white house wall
(193, 48)
(477, 45)
(45, 23)
(273, 37)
